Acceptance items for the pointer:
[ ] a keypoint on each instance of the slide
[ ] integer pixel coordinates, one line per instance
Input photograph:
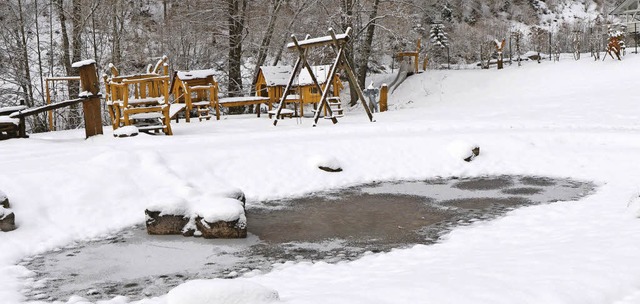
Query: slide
(405, 68)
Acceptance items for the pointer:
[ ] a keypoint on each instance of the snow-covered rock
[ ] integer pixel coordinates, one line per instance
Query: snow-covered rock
(326, 163)
(220, 291)
(463, 150)
(126, 131)
(7, 220)
(207, 216)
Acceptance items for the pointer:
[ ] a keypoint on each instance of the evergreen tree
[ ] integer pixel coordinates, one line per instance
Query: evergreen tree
(438, 36)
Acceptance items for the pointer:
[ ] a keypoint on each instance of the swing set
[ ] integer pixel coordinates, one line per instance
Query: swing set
(337, 43)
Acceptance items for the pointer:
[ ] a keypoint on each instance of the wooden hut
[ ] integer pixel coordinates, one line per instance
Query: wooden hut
(198, 90)
(271, 81)
(308, 91)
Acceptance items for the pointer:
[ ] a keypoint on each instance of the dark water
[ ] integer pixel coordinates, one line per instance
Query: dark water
(330, 226)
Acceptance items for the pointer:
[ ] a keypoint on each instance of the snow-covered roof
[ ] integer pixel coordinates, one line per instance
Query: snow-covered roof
(320, 71)
(276, 75)
(628, 6)
(195, 74)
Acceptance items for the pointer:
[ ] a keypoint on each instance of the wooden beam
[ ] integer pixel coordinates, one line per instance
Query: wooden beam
(91, 106)
(41, 109)
(319, 41)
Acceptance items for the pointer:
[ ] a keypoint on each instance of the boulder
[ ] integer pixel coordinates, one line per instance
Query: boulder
(165, 224)
(213, 216)
(222, 229)
(7, 220)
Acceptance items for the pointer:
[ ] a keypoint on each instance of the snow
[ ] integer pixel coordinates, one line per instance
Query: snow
(83, 63)
(7, 119)
(320, 71)
(221, 292)
(195, 74)
(12, 109)
(573, 119)
(276, 75)
(322, 39)
(211, 208)
(326, 161)
(4, 212)
(126, 131)
(460, 149)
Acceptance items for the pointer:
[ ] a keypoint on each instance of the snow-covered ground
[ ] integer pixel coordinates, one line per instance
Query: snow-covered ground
(567, 119)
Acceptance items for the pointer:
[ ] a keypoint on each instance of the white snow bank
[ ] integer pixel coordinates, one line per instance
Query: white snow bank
(4, 212)
(83, 63)
(221, 292)
(2, 196)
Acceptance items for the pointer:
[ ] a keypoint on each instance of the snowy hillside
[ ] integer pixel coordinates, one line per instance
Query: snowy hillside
(576, 119)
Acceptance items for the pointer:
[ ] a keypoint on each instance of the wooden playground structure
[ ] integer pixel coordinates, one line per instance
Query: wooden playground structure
(414, 56)
(141, 100)
(337, 43)
(149, 101)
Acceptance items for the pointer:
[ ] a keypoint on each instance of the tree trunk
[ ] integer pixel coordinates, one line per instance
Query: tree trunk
(235, 10)
(346, 21)
(366, 47)
(26, 81)
(266, 39)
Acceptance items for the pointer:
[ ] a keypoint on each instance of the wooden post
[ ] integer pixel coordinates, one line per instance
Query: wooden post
(91, 108)
(384, 91)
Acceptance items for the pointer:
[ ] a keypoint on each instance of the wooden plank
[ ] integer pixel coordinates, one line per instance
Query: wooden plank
(319, 41)
(40, 109)
(63, 78)
(91, 106)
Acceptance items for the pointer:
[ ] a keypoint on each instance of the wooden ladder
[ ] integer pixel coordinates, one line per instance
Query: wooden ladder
(336, 107)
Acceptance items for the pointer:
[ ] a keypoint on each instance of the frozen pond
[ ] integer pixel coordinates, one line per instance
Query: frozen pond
(331, 226)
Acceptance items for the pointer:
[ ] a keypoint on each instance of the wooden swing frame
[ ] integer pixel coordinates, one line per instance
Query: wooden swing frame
(337, 43)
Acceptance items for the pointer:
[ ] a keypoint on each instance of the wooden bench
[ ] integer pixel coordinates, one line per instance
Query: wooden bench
(245, 101)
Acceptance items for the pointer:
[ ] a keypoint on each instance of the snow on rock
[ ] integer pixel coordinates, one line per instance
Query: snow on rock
(220, 291)
(126, 131)
(7, 220)
(463, 150)
(83, 63)
(210, 216)
(326, 163)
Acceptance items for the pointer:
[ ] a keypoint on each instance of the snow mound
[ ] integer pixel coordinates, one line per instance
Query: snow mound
(462, 150)
(219, 291)
(2, 196)
(326, 163)
(83, 63)
(126, 131)
(217, 209)
(4, 212)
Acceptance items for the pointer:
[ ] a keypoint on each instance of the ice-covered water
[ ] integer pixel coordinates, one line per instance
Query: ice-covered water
(331, 226)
